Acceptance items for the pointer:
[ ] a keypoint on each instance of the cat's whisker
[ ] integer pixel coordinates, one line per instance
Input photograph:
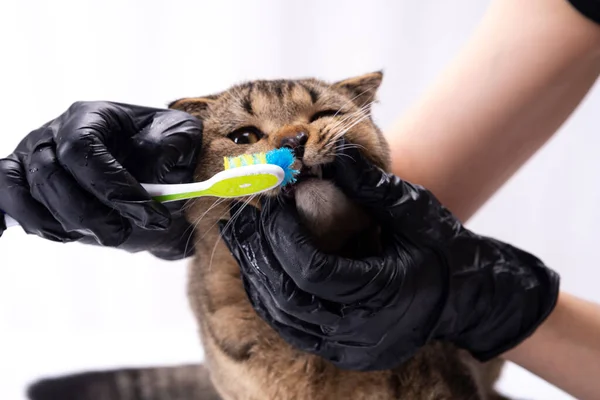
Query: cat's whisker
(218, 236)
(228, 225)
(361, 113)
(332, 140)
(348, 117)
(279, 200)
(190, 228)
(215, 204)
(237, 213)
(197, 220)
(212, 254)
(365, 109)
(370, 88)
(189, 204)
(214, 224)
(344, 119)
(342, 132)
(347, 120)
(195, 224)
(352, 146)
(346, 155)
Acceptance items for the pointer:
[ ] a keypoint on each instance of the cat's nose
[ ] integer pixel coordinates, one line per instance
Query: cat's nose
(295, 141)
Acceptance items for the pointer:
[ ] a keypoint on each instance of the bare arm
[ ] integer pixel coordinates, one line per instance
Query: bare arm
(565, 350)
(527, 67)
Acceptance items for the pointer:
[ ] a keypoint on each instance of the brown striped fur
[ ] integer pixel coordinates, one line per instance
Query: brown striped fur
(166, 383)
(247, 360)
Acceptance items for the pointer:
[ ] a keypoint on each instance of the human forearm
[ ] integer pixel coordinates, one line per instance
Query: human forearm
(526, 69)
(565, 350)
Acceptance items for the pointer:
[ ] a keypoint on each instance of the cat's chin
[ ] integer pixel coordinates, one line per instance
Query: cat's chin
(326, 211)
(320, 203)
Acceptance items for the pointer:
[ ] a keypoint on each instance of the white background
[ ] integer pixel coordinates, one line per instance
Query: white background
(66, 308)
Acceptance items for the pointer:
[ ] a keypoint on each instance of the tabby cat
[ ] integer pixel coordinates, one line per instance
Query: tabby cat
(245, 358)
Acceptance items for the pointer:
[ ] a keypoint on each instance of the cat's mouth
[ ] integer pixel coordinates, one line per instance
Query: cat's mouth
(306, 173)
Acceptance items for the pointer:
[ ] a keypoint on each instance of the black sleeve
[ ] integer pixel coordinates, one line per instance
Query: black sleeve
(589, 8)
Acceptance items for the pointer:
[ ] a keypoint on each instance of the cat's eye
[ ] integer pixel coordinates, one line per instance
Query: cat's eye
(246, 135)
(325, 113)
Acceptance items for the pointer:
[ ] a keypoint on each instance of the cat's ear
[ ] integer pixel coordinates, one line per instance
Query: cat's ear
(362, 89)
(194, 105)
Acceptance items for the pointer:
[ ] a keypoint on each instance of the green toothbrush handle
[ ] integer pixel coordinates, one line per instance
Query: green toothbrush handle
(231, 183)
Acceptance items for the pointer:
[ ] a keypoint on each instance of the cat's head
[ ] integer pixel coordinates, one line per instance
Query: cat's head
(308, 115)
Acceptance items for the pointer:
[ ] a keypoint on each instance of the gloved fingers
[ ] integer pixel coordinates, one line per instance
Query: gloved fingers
(367, 184)
(272, 247)
(242, 223)
(175, 243)
(82, 150)
(321, 340)
(278, 310)
(290, 306)
(262, 270)
(75, 209)
(242, 236)
(16, 201)
(327, 276)
(273, 242)
(166, 149)
(297, 338)
(269, 284)
(181, 131)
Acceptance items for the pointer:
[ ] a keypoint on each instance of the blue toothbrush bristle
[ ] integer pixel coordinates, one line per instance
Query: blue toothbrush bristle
(283, 157)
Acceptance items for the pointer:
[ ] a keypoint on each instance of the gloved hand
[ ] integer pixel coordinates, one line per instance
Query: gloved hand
(76, 178)
(434, 279)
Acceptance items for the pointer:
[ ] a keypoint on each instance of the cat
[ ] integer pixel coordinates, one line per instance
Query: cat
(245, 358)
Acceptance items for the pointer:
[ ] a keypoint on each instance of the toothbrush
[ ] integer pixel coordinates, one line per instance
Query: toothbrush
(244, 175)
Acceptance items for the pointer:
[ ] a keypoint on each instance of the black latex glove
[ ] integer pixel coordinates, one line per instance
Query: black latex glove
(434, 279)
(77, 177)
